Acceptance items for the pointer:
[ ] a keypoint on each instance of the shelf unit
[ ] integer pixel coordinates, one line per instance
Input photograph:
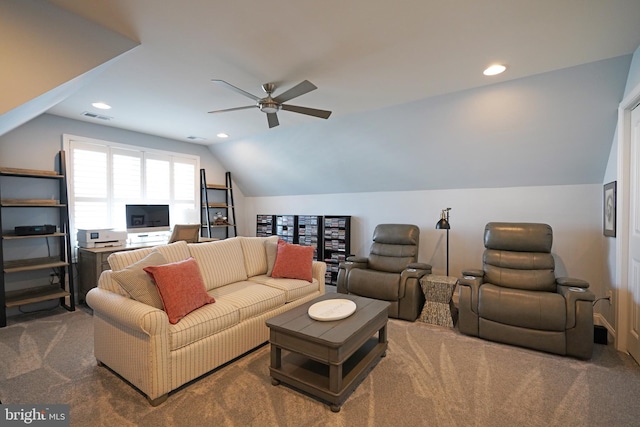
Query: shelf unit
(337, 244)
(329, 235)
(309, 231)
(217, 198)
(60, 262)
(265, 225)
(286, 227)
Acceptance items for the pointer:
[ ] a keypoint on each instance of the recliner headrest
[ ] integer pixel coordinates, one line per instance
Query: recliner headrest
(518, 236)
(396, 234)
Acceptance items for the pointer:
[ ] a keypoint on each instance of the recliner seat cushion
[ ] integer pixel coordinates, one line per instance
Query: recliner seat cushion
(374, 284)
(526, 309)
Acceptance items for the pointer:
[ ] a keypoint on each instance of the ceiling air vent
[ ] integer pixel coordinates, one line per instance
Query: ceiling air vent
(96, 116)
(196, 138)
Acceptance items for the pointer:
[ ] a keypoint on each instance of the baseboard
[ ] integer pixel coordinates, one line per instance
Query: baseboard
(599, 319)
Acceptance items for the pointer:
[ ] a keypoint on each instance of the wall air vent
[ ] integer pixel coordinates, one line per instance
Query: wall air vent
(96, 116)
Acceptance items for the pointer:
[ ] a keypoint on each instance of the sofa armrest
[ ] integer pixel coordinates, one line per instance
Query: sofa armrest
(318, 272)
(127, 312)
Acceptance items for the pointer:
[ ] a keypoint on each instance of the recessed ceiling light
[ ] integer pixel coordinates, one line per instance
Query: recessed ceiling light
(222, 135)
(494, 70)
(101, 105)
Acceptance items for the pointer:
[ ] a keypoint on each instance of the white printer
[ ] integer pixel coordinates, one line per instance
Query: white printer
(101, 238)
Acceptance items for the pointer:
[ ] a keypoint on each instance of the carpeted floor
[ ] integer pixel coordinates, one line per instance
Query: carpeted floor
(432, 376)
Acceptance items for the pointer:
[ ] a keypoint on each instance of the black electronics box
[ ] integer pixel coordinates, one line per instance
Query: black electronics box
(28, 230)
(600, 334)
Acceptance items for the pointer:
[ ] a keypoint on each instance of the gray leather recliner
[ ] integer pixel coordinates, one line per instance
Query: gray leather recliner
(517, 299)
(390, 273)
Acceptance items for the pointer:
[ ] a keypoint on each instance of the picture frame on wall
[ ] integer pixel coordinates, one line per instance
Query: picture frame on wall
(609, 210)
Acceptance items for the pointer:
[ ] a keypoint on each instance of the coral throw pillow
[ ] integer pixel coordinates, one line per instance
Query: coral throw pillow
(181, 288)
(293, 262)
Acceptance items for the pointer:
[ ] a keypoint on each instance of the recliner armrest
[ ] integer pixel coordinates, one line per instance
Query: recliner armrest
(473, 272)
(345, 267)
(419, 266)
(415, 271)
(572, 295)
(570, 281)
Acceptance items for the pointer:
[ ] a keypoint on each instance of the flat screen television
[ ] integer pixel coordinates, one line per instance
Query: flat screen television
(147, 218)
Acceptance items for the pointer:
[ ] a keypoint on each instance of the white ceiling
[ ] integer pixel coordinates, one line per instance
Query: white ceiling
(362, 54)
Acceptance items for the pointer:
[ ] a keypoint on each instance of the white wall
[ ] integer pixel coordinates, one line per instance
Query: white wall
(574, 212)
(610, 259)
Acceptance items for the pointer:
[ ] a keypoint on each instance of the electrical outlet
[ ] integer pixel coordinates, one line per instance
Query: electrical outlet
(610, 296)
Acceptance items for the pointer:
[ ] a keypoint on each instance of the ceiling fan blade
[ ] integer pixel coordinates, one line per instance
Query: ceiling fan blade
(233, 109)
(299, 89)
(323, 114)
(272, 118)
(236, 89)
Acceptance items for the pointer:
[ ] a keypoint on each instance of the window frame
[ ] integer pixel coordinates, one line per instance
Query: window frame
(71, 142)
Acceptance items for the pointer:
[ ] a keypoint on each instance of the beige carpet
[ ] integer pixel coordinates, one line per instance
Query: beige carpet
(432, 376)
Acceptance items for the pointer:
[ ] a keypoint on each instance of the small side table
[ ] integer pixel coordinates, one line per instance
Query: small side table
(438, 291)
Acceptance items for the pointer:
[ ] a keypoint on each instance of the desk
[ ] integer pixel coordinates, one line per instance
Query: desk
(93, 261)
(438, 291)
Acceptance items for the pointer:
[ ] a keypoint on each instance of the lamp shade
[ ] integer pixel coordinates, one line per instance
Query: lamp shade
(443, 224)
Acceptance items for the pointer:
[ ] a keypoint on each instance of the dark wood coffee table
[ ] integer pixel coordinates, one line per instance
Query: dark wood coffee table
(328, 359)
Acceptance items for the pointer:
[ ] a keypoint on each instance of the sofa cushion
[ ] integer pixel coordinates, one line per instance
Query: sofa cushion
(251, 299)
(271, 247)
(294, 289)
(221, 262)
(137, 282)
(202, 323)
(172, 252)
(293, 262)
(181, 288)
(255, 254)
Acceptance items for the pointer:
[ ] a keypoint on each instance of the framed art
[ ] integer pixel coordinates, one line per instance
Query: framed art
(609, 210)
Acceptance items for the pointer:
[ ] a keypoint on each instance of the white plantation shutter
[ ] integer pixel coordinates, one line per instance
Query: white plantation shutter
(89, 186)
(106, 176)
(185, 191)
(126, 178)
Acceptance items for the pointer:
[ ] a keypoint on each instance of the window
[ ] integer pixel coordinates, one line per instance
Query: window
(106, 176)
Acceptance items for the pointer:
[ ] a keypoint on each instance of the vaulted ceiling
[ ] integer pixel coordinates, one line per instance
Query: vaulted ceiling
(411, 108)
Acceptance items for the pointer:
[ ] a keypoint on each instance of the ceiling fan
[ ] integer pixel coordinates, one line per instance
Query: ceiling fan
(271, 105)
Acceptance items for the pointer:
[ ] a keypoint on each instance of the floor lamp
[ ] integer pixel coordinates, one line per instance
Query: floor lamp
(443, 224)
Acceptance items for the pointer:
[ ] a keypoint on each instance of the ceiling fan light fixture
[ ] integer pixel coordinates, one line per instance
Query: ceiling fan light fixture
(269, 107)
(494, 70)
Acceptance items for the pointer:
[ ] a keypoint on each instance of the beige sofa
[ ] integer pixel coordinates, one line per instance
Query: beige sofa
(138, 342)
